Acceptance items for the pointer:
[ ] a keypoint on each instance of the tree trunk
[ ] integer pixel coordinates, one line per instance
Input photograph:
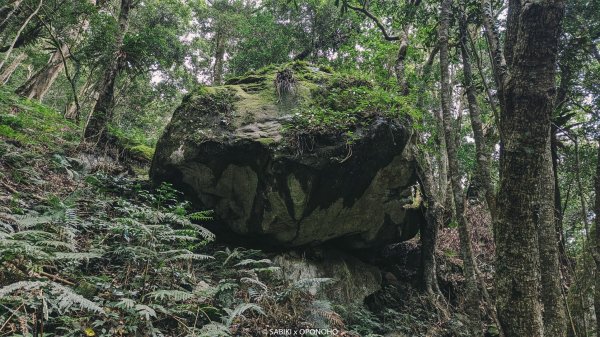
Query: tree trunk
(12, 46)
(399, 66)
(525, 223)
(38, 85)
(471, 290)
(87, 93)
(483, 177)
(220, 40)
(95, 130)
(7, 73)
(558, 212)
(433, 209)
(429, 229)
(596, 244)
(7, 12)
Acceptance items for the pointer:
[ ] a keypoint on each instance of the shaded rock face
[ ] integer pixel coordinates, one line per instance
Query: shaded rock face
(351, 279)
(227, 149)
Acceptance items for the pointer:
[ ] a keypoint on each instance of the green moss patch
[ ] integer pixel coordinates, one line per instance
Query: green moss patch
(142, 152)
(35, 124)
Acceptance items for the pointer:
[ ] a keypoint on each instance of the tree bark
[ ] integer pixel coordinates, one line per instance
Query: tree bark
(220, 40)
(399, 66)
(95, 130)
(7, 73)
(429, 229)
(558, 211)
(596, 244)
(38, 85)
(471, 290)
(12, 46)
(483, 177)
(7, 12)
(526, 238)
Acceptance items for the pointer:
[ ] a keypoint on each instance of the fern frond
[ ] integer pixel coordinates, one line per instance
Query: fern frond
(240, 310)
(189, 256)
(56, 244)
(67, 298)
(171, 294)
(311, 282)
(214, 329)
(255, 282)
(145, 311)
(28, 221)
(247, 262)
(125, 303)
(76, 256)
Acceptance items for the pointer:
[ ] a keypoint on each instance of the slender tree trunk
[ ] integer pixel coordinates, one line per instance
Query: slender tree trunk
(7, 73)
(399, 66)
(95, 130)
(558, 213)
(7, 12)
(525, 228)
(497, 57)
(220, 40)
(87, 93)
(596, 244)
(12, 46)
(483, 177)
(471, 290)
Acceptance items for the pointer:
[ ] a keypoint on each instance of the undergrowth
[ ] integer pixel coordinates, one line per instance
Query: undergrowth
(345, 102)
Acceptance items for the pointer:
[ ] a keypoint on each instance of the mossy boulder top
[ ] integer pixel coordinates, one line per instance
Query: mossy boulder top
(294, 155)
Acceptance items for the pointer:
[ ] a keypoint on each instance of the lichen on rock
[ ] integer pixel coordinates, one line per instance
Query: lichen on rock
(330, 161)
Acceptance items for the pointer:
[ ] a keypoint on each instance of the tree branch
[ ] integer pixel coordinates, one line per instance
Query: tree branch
(375, 20)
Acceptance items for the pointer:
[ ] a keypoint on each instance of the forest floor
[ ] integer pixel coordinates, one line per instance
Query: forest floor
(89, 248)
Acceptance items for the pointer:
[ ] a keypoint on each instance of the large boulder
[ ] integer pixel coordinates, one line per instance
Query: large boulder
(294, 155)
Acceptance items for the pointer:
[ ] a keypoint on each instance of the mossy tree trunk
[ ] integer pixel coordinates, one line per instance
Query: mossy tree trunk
(218, 68)
(527, 251)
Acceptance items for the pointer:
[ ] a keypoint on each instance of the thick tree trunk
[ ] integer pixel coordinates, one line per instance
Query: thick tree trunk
(525, 228)
(429, 229)
(38, 85)
(433, 208)
(95, 130)
(8, 71)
